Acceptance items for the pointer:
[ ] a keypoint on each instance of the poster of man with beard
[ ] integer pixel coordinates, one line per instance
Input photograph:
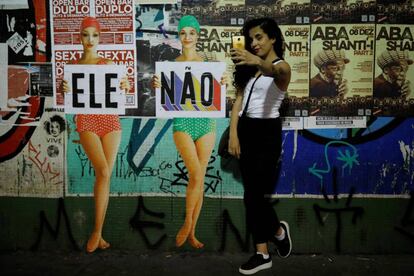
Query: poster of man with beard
(394, 71)
(341, 70)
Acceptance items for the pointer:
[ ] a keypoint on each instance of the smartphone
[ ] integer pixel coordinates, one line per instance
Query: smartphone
(237, 41)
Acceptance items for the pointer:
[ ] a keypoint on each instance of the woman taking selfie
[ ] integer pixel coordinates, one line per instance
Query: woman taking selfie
(261, 80)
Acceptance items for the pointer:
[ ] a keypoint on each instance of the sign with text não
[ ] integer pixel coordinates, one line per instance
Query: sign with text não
(190, 89)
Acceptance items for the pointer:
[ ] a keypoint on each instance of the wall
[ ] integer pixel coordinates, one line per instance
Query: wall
(342, 190)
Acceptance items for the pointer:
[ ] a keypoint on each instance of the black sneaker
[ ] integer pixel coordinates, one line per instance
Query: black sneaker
(256, 263)
(284, 247)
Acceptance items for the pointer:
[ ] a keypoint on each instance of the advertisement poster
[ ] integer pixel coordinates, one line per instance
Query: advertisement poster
(343, 11)
(95, 89)
(297, 55)
(149, 52)
(216, 13)
(18, 29)
(341, 70)
(283, 11)
(394, 71)
(395, 11)
(116, 38)
(214, 44)
(23, 50)
(157, 19)
(190, 89)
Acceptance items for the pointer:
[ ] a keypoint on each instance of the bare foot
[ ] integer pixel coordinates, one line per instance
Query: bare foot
(182, 235)
(194, 242)
(103, 244)
(93, 242)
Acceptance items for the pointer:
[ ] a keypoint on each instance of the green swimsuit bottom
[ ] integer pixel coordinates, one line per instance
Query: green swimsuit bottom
(195, 127)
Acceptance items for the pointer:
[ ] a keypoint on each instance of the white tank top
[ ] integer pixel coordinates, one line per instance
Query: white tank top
(266, 98)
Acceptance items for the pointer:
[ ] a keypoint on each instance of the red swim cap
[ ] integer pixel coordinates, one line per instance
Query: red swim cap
(90, 22)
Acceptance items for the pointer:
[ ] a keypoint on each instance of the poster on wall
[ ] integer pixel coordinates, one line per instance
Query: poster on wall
(36, 168)
(149, 52)
(149, 18)
(395, 11)
(394, 71)
(41, 82)
(18, 29)
(23, 25)
(343, 11)
(216, 13)
(156, 20)
(116, 40)
(341, 70)
(297, 55)
(283, 11)
(190, 89)
(214, 44)
(24, 48)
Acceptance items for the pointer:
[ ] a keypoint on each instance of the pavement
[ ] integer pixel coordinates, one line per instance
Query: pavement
(117, 262)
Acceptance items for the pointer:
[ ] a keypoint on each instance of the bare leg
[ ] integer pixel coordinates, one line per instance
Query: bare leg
(92, 145)
(110, 144)
(187, 149)
(262, 247)
(94, 149)
(204, 146)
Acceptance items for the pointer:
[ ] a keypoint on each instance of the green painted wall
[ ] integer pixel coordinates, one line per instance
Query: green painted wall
(374, 232)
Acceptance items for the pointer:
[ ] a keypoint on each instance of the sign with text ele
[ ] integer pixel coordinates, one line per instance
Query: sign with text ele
(94, 89)
(190, 89)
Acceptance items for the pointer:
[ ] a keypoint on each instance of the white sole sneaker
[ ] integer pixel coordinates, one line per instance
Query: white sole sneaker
(290, 241)
(256, 269)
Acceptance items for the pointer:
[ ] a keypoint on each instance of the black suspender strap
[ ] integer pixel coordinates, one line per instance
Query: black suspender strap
(248, 98)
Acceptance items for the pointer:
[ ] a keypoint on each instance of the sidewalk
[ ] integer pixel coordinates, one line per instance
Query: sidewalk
(116, 262)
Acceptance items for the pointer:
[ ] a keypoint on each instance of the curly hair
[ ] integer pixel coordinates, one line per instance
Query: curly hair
(243, 73)
(59, 120)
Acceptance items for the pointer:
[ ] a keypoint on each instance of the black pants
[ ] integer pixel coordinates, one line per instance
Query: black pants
(260, 145)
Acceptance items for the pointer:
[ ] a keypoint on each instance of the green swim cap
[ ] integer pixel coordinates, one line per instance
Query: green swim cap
(188, 21)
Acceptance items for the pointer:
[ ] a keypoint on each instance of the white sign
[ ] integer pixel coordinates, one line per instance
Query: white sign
(190, 89)
(16, 42)
(320, 122)
(94, 89)
(292, 123)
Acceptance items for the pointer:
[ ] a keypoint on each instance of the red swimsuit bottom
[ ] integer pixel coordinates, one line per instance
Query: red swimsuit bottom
(100, 124)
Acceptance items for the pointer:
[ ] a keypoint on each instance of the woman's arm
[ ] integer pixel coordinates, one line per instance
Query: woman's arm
(280, 72)
(234, 144)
